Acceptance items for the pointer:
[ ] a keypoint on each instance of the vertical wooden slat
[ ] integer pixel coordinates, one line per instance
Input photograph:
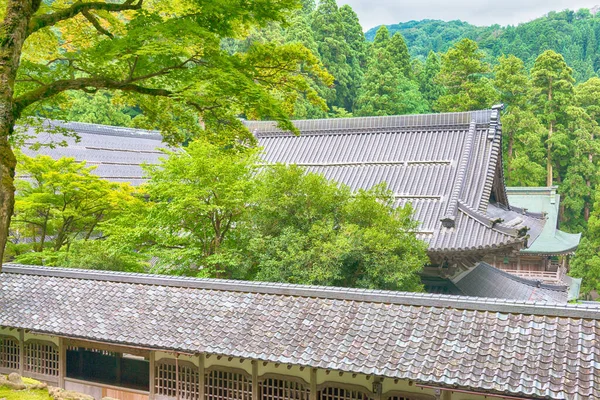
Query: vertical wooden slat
(255, 393)
(62, 362)
(152, 387)
(21, 351)
(313, 384)
(201, 377)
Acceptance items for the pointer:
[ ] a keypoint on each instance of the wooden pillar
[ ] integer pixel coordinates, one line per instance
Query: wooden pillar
(202, 377)
(518, 262)
(21, 352)
(177, 384)
(152, 375)
(62, 362)
(255, 392)
(377, 388)
(495, 266)
(119, 360)
(313, 384)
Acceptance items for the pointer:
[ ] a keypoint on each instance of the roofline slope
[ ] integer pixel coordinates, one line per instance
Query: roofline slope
(398, 121)
(334, 293)
(106, 130)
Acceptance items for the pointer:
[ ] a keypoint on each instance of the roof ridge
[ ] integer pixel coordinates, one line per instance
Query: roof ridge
(450, 216)
(377, 122)
(334, 293)
(108, 130)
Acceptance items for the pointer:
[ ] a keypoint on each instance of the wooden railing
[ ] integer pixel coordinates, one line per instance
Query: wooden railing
(545, 276)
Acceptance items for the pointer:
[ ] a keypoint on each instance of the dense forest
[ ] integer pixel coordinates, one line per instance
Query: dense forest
(574, 34)
(543, 71)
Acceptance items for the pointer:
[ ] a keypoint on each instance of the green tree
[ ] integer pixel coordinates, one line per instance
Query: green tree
(386, 91)
(382, 38)
(61, 201)
(552, 82)
(97, 109)
(428, 85)
(196, 196)
(164, 57)
(586, 263)
(523, 133)
(335, 53)
(311, 231)
(463, 74)
(399, 53)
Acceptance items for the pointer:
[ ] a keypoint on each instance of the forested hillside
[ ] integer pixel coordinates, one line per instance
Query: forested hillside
(574, 34)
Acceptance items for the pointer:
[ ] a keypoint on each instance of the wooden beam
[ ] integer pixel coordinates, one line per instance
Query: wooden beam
(255, 392)
(136, 351)
(152, 377)
(313, 384)
(202, 376)
(21, 352)
(62, 362)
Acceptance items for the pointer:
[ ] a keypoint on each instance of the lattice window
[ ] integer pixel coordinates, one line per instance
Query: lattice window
(227, 385)
(282, 389)
(403, 397)
(9, 353)
(339, 393)
(41, 358)
(166, 379)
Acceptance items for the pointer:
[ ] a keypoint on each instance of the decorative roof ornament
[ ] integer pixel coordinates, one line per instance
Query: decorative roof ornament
(495, 121)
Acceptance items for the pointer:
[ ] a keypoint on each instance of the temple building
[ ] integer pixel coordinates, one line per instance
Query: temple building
(147, 337)
(547, 257)
(447, 166)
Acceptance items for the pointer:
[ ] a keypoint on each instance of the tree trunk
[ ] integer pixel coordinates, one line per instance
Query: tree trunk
(549, 158)
(549, 146)
(13, 32)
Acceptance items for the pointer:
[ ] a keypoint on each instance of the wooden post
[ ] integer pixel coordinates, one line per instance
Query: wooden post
(152, 378)
(62, 362)
(255, 392)
(202, 377)
(119, 359)
(313, 384)
(518, 262)
(177, 376)
(21, 352)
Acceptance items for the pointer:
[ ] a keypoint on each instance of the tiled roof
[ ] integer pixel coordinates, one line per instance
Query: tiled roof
(446, 165)
(545, 200)
(534, 350)
(487, 281)
(116, 152)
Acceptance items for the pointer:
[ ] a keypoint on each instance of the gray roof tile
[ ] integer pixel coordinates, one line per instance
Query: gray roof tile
(445, 165)
(520, 348)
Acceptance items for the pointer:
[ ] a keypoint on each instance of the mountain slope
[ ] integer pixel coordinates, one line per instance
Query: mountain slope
(574, 34)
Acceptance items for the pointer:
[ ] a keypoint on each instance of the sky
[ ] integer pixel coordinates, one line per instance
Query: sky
(478, 12)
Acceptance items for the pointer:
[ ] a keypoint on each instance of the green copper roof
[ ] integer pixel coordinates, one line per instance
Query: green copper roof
(544, 200)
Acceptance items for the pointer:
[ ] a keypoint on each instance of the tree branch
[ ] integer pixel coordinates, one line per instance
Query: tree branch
(80, 7)
(84, 84)
(94, 21)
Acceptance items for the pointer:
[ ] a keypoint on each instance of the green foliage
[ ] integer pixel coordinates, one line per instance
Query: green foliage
(574, 35)
(167, 61)
(309, 230)
(60, 201)
(428, 86)
(399, 54)
(336, 54)
(213, 211)
(195, 198)
(586, 263)
(386, 90)
(463, 75)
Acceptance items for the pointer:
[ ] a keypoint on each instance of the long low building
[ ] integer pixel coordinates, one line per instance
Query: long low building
(138, 337)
